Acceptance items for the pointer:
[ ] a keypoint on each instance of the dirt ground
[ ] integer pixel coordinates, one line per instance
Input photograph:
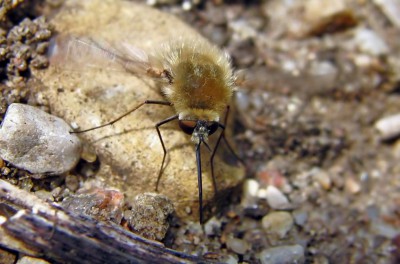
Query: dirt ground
(319, 75)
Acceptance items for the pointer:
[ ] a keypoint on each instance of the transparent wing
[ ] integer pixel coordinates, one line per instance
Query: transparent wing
(78, 53)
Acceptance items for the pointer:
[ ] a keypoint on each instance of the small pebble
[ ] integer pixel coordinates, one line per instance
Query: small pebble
(212, 226)
(319, 9)
(320, 259)
(278, 223)
(44, 195)
(229, 259)
(38, 142)
(102, 204)
(300, 217)
(88, 156)
(72, 182)
(388, 127)
(31, 260)
(5, 171)
(323, 179)
(149, 215)
(7, 256)
(384, 229)
(352, 186)
(370, 42)
(282, 255)
(56, 192)
(275, 198)
(249, 197)
(237, 245)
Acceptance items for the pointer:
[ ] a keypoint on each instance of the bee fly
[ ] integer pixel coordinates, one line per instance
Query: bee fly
(197, 81)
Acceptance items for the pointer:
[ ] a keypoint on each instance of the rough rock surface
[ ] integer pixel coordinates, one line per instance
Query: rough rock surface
(38, 142)
(148, 216)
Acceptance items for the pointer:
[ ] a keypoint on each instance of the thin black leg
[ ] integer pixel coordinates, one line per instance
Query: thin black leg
(199, 180)
(122, 116)
(212, 158)
(221, 136)
(169, 119)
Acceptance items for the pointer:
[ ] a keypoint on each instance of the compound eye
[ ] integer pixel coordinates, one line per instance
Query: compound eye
(212, 127)
(187, 126)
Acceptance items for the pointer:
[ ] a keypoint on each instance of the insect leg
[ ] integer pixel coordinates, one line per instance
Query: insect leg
(169, 119)
(221, 136)
(122, 116)
(199, 179)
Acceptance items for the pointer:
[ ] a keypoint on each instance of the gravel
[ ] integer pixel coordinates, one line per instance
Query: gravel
(283, 255)
(279, 223)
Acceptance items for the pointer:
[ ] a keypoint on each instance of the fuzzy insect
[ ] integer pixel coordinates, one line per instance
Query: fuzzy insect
(197, 81)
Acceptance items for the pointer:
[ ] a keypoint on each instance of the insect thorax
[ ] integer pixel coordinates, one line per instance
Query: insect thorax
(200, 89)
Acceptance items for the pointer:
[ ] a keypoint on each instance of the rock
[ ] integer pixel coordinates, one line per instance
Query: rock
(275, 198)
(38, 142)
(102, 204)
(237, 245)
(282, 255)
(230, 259)
(45, 195)
(381, 228)
(320, 9)
(130, 151)
(391, 8)
(249, 197)
(278, 223)
(327, 17)
(370, 42)
(322, 178)
(31, 260)
(300, 217)
(352, 186)
(149, 214)
(212, 227)
(7, 256)
(388, 127)
(72, 182)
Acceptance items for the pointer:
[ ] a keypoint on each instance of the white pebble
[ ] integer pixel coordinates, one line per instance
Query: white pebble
(38, 142)
(275, 198)
(370, 42)
(249, 197)
(282, 254)
(277, 223)
(212, 226)
(388, 127)
(251, 187)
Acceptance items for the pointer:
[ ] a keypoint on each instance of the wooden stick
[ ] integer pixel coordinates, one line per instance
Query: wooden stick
(33, 227)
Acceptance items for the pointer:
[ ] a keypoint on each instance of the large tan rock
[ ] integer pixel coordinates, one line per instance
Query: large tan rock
(130, 151)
